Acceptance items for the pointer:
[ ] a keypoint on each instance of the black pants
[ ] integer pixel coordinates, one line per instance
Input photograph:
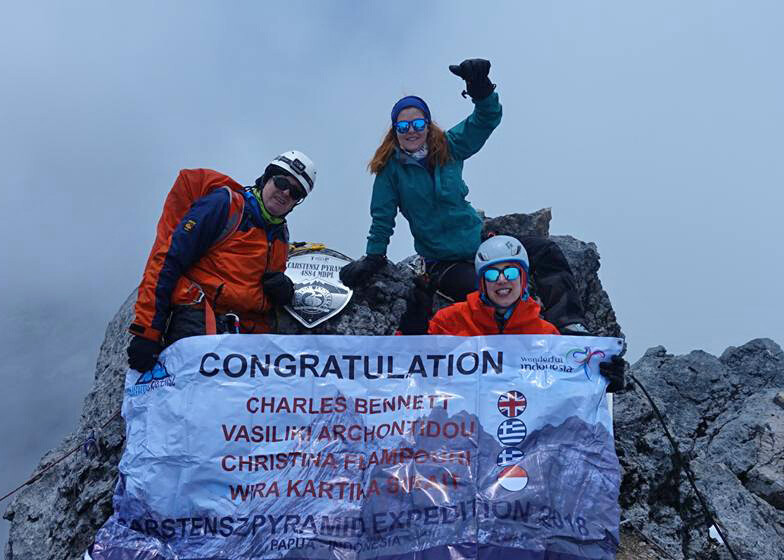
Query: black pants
(550, 278)
(187, 320)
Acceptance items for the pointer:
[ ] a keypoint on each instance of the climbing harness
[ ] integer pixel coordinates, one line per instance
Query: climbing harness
(232, 323)
(418, 266)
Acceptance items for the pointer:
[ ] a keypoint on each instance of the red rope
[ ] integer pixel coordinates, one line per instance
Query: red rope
(60, 460)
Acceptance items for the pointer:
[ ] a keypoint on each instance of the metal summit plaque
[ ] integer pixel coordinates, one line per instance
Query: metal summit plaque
(318, 292)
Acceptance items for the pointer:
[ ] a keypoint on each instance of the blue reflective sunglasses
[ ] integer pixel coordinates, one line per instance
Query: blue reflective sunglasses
(510, 273)
(402, 126)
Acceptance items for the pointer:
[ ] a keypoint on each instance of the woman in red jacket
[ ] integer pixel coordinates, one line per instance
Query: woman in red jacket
(501, 306)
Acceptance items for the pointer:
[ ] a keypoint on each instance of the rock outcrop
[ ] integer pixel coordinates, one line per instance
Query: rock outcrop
(723, 412)
(58, 515)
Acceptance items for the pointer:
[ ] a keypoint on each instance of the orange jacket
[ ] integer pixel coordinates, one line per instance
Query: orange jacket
(473, 318)
(197, 257)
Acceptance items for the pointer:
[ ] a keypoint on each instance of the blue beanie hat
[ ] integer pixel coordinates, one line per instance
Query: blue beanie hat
(410, 101)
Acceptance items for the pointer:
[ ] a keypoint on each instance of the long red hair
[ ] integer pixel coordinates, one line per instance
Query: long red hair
(437, 148)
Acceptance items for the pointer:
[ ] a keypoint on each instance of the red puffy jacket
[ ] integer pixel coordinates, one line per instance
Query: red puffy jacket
(474, 318)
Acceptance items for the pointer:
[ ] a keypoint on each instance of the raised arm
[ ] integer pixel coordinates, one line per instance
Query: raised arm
(467, 137)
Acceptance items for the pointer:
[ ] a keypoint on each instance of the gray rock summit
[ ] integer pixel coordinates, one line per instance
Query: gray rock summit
(727, 423)
(726, 414)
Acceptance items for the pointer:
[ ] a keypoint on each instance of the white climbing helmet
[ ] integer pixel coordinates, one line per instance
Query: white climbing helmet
(497, 249)
(299, 165)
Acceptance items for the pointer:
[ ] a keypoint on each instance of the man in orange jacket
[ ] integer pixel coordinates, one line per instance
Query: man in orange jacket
(501, 306)
(220, 269)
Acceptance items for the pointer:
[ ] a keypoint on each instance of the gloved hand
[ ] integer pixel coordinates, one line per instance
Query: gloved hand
(474, 71)
(143, 353)
(615, 372)
(420, 305)
(360, 271)
(278, 287)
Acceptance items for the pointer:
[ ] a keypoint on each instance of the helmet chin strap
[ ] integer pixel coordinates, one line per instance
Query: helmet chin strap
(503, 313)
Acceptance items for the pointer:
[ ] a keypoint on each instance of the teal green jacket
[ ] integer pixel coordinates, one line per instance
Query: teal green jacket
(444, 225)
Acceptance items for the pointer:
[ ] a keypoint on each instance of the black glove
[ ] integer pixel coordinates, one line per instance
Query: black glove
(474, 71)
(615, 372)
(278, 287)
(420, 304)
(359, 272)
(143, 353)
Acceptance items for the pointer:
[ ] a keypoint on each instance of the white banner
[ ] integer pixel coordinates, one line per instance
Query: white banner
(271, 446)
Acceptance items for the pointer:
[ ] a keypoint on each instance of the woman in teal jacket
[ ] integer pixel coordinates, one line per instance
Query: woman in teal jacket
(418, 170)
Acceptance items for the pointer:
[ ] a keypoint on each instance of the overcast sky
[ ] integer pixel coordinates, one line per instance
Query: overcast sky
(654, 129)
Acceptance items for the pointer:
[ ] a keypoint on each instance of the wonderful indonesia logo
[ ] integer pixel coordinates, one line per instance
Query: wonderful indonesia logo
(545, 362)
(583, 356)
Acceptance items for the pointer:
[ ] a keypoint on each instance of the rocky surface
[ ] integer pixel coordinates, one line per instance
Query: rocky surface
(723, 412)
(57, 516)
(376, 309)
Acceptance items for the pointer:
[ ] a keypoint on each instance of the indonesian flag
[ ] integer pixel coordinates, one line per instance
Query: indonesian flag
(513, 478)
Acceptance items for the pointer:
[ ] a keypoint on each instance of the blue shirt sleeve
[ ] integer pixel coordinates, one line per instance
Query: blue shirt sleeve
(191, 239)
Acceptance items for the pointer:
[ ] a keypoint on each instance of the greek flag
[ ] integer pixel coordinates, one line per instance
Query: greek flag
(511, 432)
(508, 456)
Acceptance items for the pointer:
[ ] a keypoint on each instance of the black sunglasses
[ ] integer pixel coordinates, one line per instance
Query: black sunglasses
(282, 183)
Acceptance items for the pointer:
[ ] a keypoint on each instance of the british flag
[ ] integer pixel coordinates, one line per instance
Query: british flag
(512, 403)
(508, 455)
(512, 431)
